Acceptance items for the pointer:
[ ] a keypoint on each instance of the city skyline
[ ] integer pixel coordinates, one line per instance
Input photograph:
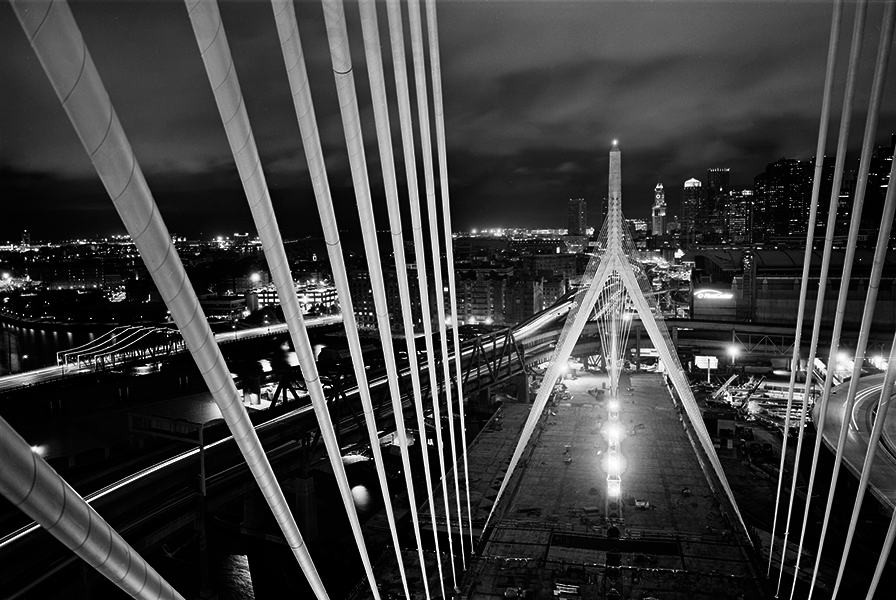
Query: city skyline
(533, 92)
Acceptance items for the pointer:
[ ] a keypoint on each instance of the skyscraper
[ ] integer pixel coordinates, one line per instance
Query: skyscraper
(878, 179)
(712, 214)
(659, 211)
(576, 217)
(691, 202)
(783, 194)
(739, 216)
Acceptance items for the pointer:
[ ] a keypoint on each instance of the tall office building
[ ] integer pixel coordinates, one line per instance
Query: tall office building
(576, 217)
(26, 238)
(712, 214)
(782, 198)
(739, 216)
(878, 180)
(659, 211)
(691, 204)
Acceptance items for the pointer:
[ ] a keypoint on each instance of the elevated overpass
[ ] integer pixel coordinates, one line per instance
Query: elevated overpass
(882, 479)
(158, 500)
(132, 504)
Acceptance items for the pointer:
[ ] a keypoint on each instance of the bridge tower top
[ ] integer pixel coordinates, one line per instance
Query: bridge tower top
(614, 199)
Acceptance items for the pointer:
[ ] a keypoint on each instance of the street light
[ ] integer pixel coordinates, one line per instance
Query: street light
(733, 351)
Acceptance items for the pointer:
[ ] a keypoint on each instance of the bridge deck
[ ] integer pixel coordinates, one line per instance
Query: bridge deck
(551, 526)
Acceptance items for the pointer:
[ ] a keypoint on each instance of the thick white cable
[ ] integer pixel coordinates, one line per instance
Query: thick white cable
(342, 69)
(883, 56)
(396, 35)
(416, 28)
(884, 402)
(884, 557)
(32, 486)
(833, 44)
(845, 119)
(58, 44)
(371, 37)
(880, 254)
(290, 42)
(215, 50)
(448, 238)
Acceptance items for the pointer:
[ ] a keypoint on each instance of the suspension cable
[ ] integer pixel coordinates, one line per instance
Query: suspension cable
(439, 110)
(396, 35)
(845, 119)
(387, 160)
(856, 215)
(833, 43)
(290, 42)
(416, 30)
(880, 254)
(215, 50)
(90, 110)
(891, 530)
(336, 31)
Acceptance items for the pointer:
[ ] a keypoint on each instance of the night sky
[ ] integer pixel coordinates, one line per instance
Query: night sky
(535, 91)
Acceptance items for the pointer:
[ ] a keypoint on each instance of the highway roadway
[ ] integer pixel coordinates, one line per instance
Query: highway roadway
(861, 421)
(277, 434)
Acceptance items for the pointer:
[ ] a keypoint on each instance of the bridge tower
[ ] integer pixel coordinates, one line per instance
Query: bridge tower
(615, 290)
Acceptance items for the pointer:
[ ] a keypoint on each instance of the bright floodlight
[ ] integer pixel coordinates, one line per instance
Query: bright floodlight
(255, 277)
(6, 276)
(841, 356)
(733, 350)
(613, 432)
(613, 464)
(627, 316)
(613, 405)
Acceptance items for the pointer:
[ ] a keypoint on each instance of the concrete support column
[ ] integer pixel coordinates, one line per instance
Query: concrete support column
(300, 496)
(206, 592)
(255, 511)
(86, 581)
(483, 399)
(522, 388)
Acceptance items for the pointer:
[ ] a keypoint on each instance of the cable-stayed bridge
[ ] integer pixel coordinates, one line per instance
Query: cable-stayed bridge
(613, 288)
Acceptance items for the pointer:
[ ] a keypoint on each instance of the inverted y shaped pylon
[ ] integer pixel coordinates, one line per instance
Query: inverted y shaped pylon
(613, 256)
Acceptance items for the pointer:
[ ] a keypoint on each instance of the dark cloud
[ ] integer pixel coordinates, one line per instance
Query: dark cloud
(534, 92)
